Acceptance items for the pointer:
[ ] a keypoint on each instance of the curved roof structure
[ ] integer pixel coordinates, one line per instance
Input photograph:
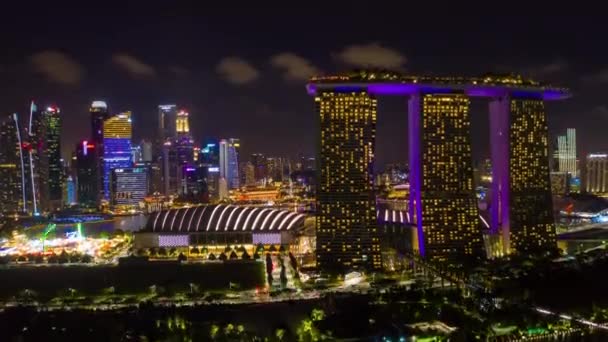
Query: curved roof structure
(393, 83)
(224, 218)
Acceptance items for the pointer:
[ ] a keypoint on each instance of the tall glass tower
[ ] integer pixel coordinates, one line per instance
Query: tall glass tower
(229, 162)
(10, 167)
(347, 236)
(117, 147)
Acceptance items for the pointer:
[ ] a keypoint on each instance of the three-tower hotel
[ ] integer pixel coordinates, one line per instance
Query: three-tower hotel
(442, 201)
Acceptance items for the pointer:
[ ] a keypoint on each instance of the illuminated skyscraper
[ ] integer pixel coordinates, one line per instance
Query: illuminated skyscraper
(182, 124)
(347, 235)
(87, 174)
(99, 113)
(129, 186)
(167, 115)
(46, 141)
(565, 153)
(442, 196)
(10, 167)
(522, 199)
(597, 173)
(229, 162)
(117, 147)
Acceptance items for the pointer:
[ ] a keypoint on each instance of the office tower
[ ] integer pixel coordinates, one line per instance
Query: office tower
(275, 167)
(87, 174)
(136, 153)
(46, 143)
(146, 150)
(194, 186)
(346, 220)
(247, 173)
(222, 186)
(210, 153)
(560, 183)
(442, 196)
(212, 181)
(522, 199)
(229, 161)
(259, 164)
(10, 167)
(597, 173)
(99, 113)
(182, 124)
(116, 147)
(129, 186)
(167, 115)
(566, 152)
(71, 190)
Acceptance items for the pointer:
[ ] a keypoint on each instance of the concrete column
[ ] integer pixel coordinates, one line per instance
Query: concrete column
(415, 164)
(499, 140)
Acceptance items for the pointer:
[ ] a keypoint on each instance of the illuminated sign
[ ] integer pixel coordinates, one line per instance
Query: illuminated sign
(166, 107)
(214, 169)
(99, 104)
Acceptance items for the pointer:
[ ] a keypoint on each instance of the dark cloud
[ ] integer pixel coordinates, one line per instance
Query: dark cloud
(237, 71)
(179, 71)
(134, 66)
(57, 67)
(600, 76)
(372, 55)
(295, 68)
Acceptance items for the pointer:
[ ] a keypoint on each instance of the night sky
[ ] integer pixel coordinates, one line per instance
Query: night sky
(243, 74)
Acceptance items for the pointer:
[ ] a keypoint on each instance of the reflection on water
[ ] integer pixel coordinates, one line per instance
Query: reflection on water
(125, 223)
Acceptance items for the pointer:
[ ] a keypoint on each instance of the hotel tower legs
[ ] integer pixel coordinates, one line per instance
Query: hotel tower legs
(442, 205)
(346, 221)
(442, 197)
(522, 210)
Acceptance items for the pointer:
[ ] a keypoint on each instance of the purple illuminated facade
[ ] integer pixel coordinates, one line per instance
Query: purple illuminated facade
(442, 199)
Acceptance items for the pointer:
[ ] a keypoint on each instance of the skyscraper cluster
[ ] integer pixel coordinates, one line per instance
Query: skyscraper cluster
(30, 161)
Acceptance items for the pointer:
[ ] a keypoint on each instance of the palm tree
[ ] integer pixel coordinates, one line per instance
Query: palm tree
(233, 256)
(194, 250)
(212, 256)
(246, 256)
(223, 257)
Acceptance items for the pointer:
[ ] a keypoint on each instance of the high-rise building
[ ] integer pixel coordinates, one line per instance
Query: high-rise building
(129, 186)
(565, 154)
(117, 133)
(597, 174)
(247, 172)
(99, 112)
(347, 235)
(442, 196)
(521, 183)
(87, 174)
(48, 156)
(146, 151)
(11, 197)
(210, 153)
(71, 190)
(167, 115)
(229, 161)
(182, 124)
(259, 164)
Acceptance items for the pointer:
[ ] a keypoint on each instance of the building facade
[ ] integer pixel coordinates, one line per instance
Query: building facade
(129, 186)
(88, 175)
(117, 132)
(346, 215)
(229, 161)
(597, 174)
(11, 196)
(442, 195)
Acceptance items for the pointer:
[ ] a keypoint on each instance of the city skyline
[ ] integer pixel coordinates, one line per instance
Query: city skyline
(267, 98)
